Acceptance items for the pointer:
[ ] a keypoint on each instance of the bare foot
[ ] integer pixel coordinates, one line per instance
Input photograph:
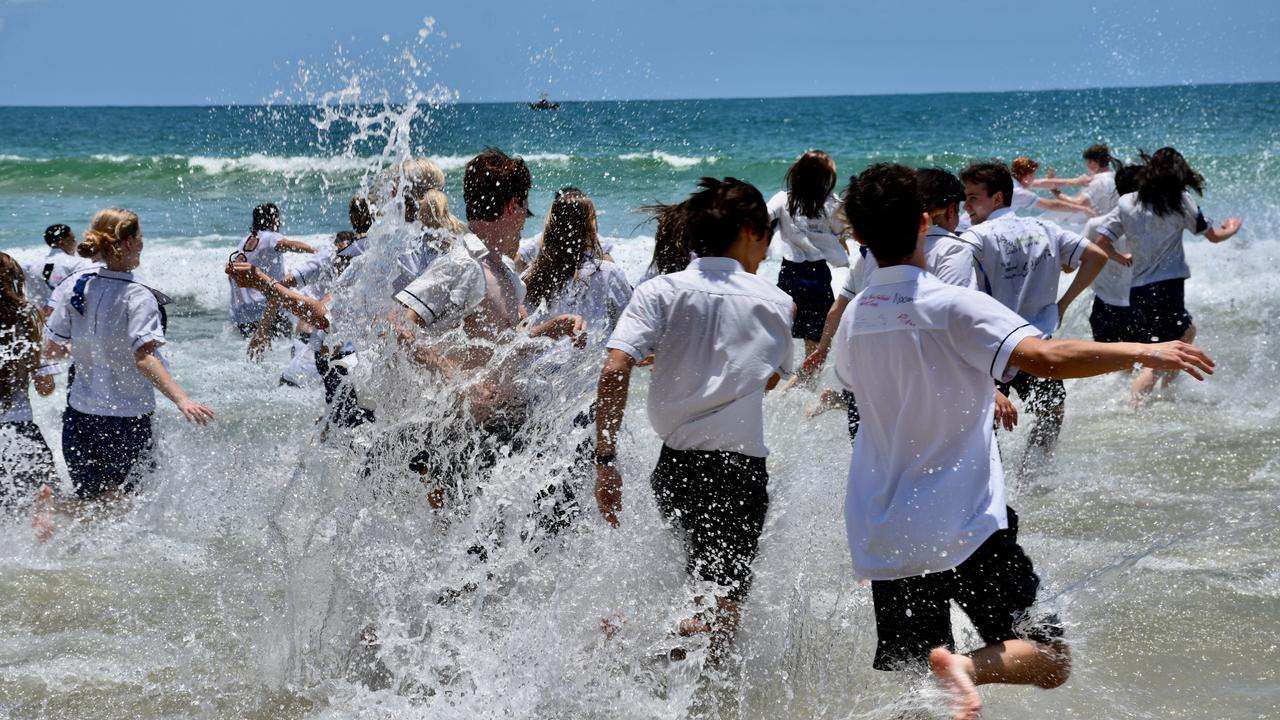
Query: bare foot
(953, 674)
(43, 520)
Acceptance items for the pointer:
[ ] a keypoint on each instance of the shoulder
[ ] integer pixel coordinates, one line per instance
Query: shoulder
(763, 289)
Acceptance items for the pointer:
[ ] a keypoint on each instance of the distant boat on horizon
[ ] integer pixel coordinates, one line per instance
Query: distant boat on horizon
(544, 103)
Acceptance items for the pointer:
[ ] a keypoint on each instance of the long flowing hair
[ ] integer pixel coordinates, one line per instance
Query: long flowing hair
(670, 239)
(1165, 176)
(809, 183)
(19, 331)
(569, 237)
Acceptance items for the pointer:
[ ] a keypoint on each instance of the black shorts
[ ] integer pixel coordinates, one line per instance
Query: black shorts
(995, 587)
(1040, 394)
(1160, 311)
(716, 501)
(853, 417)
(809, 285)
(105, 452)
(26, 462)
(1113, 323)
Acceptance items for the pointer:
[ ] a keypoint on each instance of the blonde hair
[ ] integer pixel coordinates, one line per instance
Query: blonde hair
(107, 232)
(433, 212)
(1023, 166)
(19, 332)
(417, 177)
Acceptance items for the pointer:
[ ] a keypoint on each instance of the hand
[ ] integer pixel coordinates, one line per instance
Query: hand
(813, 363)
(1231, 226)
(248, 275)
(1006, 413)
(195, 412)
(1125, 259)
(1178, 355)
(563, 326)
(609, 492)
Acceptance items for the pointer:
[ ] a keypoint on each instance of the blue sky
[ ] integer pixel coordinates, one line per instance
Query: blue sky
(171, 52)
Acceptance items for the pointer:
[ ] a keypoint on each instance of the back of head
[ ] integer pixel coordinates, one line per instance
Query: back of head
(107, 232)
(939, 189)
(1127, 178)
(491, 180)
(20, 328)
(1023, 166)
(433, 212)
(360, 214)
(266, 217)
(993, 176)
(55, 234)
(716, 214)
(809, 183)
(1164, 178)
(420, 174)
(883, 206)
(670, 238)
(569, 236)
(1100, 154)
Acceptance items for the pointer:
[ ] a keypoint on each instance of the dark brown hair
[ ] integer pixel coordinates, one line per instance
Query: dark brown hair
(715, 214)
(883, 206)
(570, 236)
(810, 181)
(670, 239)
(19, 332)
(1165, 176)
(994, 176)
(491, 180)
(360, 215)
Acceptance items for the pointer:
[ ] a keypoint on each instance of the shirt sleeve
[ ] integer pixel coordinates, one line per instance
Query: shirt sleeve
(1070, 246)
(642, 321)
(954, 264)
(444, 294)
(619, 293)
(310, 270)
(144, 318)
(1195, 221)
(849, 290)
(1111, 225)
(985, 332)
(58, 327)
(1023, 198)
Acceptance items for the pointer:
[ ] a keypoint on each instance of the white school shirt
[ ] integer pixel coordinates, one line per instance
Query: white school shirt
(1114, 280)
(946, 255)
(1023, 198)
(1019, 260)
(454, 285)
(531, 247)
(1101, 192)
(599, 293)
(1156, 241)
(63, 290)
(806, 239)
(718, 333)
(48, 273)
(926, 487)
(117, 317)
(246, 304)
(415, 261)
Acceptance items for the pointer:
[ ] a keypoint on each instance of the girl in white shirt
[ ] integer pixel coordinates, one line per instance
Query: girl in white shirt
(263, 247)
(25, 459)
(812, 234)
(115, 327)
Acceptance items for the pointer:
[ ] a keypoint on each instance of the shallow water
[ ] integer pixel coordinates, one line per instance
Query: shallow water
(238, 583)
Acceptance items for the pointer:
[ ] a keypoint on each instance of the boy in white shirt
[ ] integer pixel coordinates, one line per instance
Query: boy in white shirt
(1018, 260)
(925, 510)
(720, 336)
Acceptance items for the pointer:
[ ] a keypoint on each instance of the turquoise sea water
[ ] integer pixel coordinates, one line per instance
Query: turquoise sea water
(239, 581)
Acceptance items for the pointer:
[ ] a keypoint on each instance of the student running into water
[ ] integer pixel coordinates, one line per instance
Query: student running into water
(811, 233)
(115, 327)
(530, 247)
(925, 509)
(1024, 198)
(721, 336)
(1019, 261)
(1153, 219)
(1112, 318)
(265, 248)
(26, 462)
(1099, 181)
(61, 261)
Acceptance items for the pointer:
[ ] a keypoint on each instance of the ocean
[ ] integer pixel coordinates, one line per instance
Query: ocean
(240, 581)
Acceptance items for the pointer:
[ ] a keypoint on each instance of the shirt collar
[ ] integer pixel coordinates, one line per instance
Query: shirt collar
(895, 274)
(104, 272)
(1000, 213)
(723, 264)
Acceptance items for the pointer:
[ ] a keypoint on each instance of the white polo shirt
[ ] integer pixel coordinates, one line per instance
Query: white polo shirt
(599, 293)
(454, 285)
(946, 255)
(63, 289)
(718, 333)
(1023, 198)
(1020, 260)
(260, 249)
(48, 273)
(1101, 192)
(926, 487)
(116, 317)
(1156, 241)
(412, 263)
(806, 239)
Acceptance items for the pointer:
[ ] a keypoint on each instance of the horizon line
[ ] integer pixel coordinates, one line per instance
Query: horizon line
(690, 99)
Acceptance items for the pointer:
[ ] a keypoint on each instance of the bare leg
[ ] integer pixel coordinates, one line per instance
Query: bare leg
(722, 626)
(1145, 382)
(1013, 662)
(43, 520)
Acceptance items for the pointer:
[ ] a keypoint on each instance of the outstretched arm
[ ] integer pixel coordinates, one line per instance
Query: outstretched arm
(611, 403)
(1091, 263)
(1229, 227)
(155, 372)
(287, 245)
(1065, 206)
(1065, 359)
(1057, 183)
(248, 276)
(818, 357)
